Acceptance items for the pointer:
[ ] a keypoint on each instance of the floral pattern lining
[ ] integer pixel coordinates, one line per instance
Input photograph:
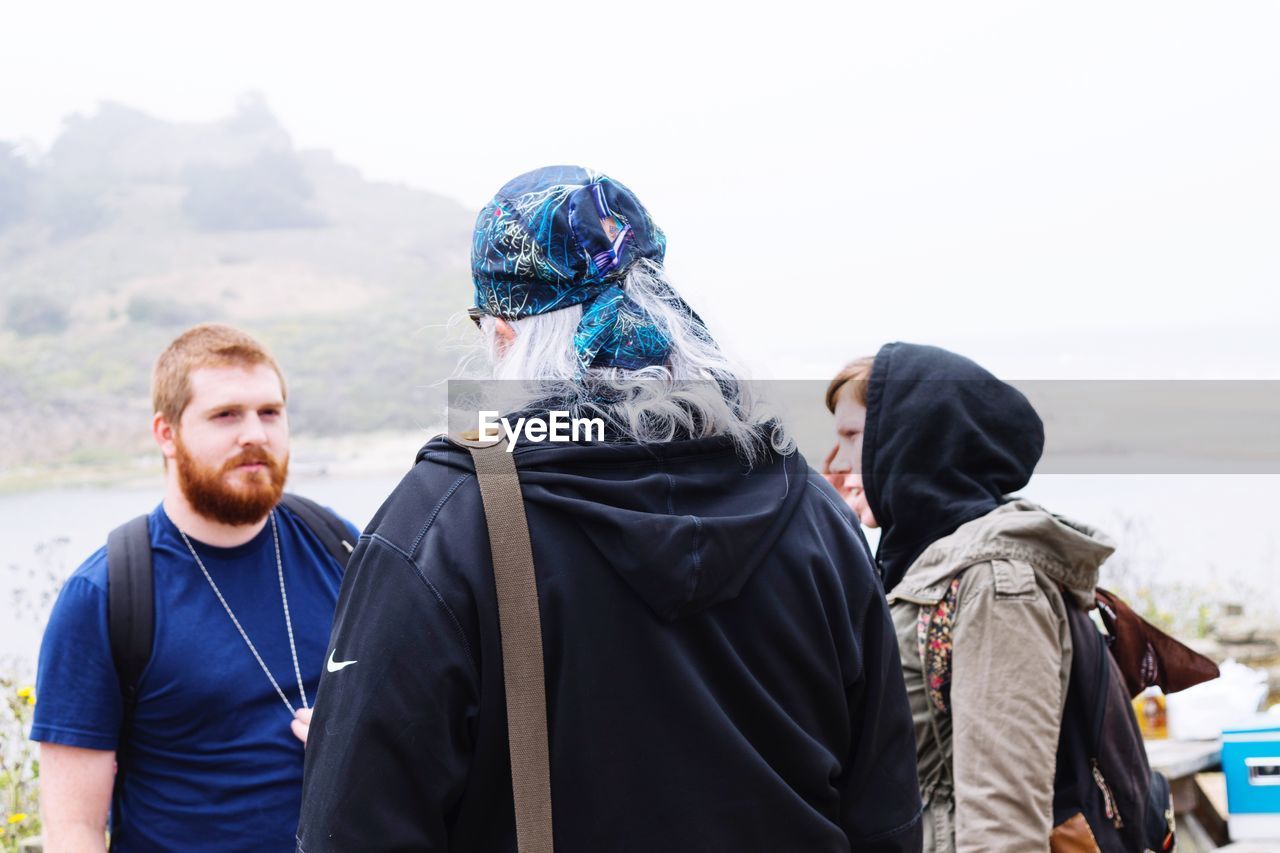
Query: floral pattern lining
(933, 639)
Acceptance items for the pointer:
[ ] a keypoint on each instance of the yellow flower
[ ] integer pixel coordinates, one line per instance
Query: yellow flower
(28, 693)
(17, 817)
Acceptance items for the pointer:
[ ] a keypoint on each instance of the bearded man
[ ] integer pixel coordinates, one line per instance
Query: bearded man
(201, 747)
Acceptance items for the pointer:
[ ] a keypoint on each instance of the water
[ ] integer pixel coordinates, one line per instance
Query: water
(1218, 533)
(51, 532)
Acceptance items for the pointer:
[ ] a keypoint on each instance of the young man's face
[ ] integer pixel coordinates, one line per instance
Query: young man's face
(845, 466)
(231, 445)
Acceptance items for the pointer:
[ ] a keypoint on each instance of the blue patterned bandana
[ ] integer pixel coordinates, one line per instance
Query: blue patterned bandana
(563, 236)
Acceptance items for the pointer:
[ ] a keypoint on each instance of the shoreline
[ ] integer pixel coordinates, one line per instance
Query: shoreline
(350, 454)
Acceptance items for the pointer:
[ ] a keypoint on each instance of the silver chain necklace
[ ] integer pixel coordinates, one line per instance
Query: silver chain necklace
(288, 623)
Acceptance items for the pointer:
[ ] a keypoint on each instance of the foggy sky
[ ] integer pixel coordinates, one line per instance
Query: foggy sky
(1083, 189)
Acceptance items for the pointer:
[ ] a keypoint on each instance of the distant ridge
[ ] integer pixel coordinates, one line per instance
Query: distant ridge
(130, 228)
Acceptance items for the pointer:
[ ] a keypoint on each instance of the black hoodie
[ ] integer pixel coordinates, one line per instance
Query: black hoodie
(944, 442)
(721, 668)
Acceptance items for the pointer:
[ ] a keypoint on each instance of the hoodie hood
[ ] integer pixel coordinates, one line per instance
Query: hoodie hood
(685, 524)
(1069, 552)
(945, 441)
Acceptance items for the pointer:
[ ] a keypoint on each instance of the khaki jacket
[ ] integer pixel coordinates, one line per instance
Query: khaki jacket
(986, 770)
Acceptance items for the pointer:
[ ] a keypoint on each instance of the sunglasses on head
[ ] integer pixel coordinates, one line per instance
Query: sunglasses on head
(476, 314)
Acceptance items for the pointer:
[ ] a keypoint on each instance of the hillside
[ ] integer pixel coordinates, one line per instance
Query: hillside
(129, 229)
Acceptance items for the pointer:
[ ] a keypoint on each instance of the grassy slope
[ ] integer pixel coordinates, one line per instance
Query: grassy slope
(352, 308)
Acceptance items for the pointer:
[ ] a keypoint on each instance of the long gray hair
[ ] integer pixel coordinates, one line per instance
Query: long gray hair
(698, 393)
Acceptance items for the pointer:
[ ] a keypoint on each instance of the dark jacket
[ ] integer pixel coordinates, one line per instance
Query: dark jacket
(721, 668)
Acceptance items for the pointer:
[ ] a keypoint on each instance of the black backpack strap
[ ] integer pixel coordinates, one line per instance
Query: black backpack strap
(130, 623)
(326, 526)
(130, 607)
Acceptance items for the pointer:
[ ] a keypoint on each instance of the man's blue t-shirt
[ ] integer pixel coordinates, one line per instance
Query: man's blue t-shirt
(213, 764)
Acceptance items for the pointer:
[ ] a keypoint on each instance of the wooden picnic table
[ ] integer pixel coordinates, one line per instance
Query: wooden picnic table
(1183, 759)
(1200, 828)
(1199, 797)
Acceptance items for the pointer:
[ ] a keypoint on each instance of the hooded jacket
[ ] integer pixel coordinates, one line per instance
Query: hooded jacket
(987, 768)
(721, 670)
(945, 443)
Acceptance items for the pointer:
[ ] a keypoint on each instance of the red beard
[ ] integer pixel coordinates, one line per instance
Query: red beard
(245, 502)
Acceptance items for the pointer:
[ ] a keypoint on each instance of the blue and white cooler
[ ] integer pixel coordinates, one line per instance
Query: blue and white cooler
(1251, 764)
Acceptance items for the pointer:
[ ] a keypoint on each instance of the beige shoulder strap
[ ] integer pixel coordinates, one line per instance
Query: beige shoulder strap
(521, 629)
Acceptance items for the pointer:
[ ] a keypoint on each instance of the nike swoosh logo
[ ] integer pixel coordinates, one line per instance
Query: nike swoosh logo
(335, 665)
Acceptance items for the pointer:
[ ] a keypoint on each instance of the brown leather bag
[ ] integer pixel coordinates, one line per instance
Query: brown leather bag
(1073, 836)
(1146, 655)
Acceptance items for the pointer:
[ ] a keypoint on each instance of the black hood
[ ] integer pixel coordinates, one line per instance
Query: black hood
(685, 523)
(945, 441)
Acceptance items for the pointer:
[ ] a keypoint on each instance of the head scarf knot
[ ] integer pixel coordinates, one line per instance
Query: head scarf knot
(562, 236)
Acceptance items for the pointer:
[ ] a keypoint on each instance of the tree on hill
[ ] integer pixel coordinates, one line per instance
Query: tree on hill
(267, 192)
(69, 208)
(35, 314)
(91, 146)
(167, 311)
(72, 211)
(252, 115)
(15, 186)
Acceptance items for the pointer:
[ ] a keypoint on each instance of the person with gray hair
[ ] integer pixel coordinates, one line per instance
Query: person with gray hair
(713, 662)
